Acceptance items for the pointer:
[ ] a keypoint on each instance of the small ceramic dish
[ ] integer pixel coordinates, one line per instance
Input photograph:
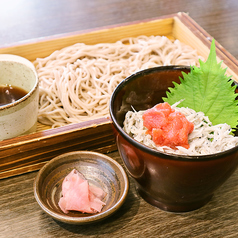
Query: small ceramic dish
(99, 169)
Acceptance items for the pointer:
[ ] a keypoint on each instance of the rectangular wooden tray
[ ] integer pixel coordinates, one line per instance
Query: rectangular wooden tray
(30, 152)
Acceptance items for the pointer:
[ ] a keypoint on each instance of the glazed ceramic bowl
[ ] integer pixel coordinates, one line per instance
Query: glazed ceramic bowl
(20, 116)
(171, 182)
(100, 170)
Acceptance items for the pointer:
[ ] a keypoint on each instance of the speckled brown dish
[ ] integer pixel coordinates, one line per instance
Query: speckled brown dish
(99, 169)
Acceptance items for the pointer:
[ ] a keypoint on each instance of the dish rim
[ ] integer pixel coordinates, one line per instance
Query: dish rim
(87, 219)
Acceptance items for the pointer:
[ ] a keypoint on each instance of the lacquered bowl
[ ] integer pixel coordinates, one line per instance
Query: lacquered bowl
(173, 183)
(100, 170)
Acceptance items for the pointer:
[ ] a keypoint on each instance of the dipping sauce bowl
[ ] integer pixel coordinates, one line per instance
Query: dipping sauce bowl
(18, 115)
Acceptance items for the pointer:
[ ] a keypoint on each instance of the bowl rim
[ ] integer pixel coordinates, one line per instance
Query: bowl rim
(26, 63)
(154, 152)
(87, 219)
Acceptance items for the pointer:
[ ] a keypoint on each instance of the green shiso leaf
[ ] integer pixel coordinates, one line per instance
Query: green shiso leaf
(209, 90)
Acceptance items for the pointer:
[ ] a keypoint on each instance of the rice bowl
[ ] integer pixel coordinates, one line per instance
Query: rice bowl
(172, 182)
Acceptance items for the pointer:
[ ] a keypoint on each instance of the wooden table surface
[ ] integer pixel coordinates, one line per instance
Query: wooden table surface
(21, 216)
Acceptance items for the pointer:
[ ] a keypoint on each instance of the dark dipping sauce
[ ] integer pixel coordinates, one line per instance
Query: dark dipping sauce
(10, 94)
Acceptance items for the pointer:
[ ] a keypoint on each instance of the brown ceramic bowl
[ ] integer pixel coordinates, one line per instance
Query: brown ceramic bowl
(99, 169)
(171, 182)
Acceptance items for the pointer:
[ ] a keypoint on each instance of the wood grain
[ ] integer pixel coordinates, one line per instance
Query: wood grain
(20, 216)
(26, 153)
(29, 152)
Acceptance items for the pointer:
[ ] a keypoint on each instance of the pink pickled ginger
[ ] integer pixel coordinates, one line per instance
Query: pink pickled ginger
(78, 195)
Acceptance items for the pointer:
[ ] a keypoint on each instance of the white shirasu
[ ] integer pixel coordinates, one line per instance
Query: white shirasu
(204, 140)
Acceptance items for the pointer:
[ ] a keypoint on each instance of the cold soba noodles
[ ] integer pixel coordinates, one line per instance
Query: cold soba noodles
(76, 82)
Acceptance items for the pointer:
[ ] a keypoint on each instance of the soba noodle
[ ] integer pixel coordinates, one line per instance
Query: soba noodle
(205, 138)
(76, 82)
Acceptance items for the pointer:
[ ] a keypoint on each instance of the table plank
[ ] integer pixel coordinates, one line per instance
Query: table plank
(25, 19)
(21, 216)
